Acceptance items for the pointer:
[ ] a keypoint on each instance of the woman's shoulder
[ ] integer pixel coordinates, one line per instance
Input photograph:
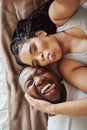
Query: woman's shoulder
(61, 11)
(66, 66)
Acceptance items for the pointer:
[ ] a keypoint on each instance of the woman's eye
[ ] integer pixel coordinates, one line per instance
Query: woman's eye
(34, 63)
(33, 48)
(29, 83)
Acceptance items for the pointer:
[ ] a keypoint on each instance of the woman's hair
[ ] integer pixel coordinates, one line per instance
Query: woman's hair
(26, 28)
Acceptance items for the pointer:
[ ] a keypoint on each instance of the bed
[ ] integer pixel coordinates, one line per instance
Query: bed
(15, 112)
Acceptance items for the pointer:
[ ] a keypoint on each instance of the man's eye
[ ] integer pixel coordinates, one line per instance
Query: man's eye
(41, 71)
(29, 83)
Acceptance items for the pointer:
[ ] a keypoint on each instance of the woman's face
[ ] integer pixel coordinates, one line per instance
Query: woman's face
(40, 83)
(41, 50)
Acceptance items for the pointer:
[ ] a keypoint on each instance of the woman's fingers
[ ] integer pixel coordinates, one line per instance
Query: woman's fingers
(40, 105)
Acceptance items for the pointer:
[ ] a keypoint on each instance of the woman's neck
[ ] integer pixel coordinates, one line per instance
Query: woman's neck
(65, 41)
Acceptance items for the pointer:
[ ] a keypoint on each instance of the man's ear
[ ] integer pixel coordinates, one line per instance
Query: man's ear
(40, 33)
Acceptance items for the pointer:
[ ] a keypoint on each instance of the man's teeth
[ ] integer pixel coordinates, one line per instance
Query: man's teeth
(44, 88)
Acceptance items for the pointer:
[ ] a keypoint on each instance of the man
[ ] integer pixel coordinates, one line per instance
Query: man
(42, 84)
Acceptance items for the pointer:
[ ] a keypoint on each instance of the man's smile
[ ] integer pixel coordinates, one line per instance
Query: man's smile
(47, 88)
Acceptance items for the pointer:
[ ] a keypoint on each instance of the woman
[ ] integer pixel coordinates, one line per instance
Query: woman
(32, 44)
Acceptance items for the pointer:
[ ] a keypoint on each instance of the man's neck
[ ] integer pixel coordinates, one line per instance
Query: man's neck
(63, 96)
(63, 93)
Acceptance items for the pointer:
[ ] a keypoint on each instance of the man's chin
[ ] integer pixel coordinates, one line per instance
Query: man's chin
(54, 101)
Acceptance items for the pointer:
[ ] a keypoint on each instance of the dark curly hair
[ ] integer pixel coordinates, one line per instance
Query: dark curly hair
(26, 28)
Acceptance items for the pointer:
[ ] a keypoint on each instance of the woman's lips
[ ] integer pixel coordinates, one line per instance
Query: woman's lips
(51, 56)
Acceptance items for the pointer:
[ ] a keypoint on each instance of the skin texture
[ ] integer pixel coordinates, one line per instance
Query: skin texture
(41, 84)
(41, 50)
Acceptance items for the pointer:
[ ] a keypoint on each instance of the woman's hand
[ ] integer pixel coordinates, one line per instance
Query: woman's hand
(75, 107)
(40, 105)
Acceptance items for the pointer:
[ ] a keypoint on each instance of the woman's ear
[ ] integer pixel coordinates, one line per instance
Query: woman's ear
(40, 33)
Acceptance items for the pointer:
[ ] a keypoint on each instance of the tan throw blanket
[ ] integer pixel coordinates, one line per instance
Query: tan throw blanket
(21, 115)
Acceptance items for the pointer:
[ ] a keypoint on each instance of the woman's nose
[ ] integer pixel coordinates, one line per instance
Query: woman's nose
(39, 80)
(40, 57)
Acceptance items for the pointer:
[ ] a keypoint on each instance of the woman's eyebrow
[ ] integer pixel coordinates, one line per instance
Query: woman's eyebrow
(34, 63)
(30, 49)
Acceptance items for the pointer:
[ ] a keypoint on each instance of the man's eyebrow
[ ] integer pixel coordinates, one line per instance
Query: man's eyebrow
(27, 80)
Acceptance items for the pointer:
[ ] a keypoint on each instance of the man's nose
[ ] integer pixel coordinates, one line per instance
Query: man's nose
(38, 80)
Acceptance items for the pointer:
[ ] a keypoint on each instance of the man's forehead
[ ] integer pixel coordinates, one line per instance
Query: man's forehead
(29, 70)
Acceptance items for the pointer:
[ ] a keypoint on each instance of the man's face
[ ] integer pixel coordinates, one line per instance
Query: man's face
(40, 83)
(40, 50)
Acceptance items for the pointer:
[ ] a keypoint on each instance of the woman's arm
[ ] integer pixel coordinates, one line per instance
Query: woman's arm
(61, 10)
(76, 107)
(75, 73)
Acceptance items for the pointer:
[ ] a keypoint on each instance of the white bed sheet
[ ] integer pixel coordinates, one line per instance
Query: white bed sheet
(3, 92)
(3, 97)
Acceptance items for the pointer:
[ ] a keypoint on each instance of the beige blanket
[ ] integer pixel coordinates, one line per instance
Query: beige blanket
(21, 115)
